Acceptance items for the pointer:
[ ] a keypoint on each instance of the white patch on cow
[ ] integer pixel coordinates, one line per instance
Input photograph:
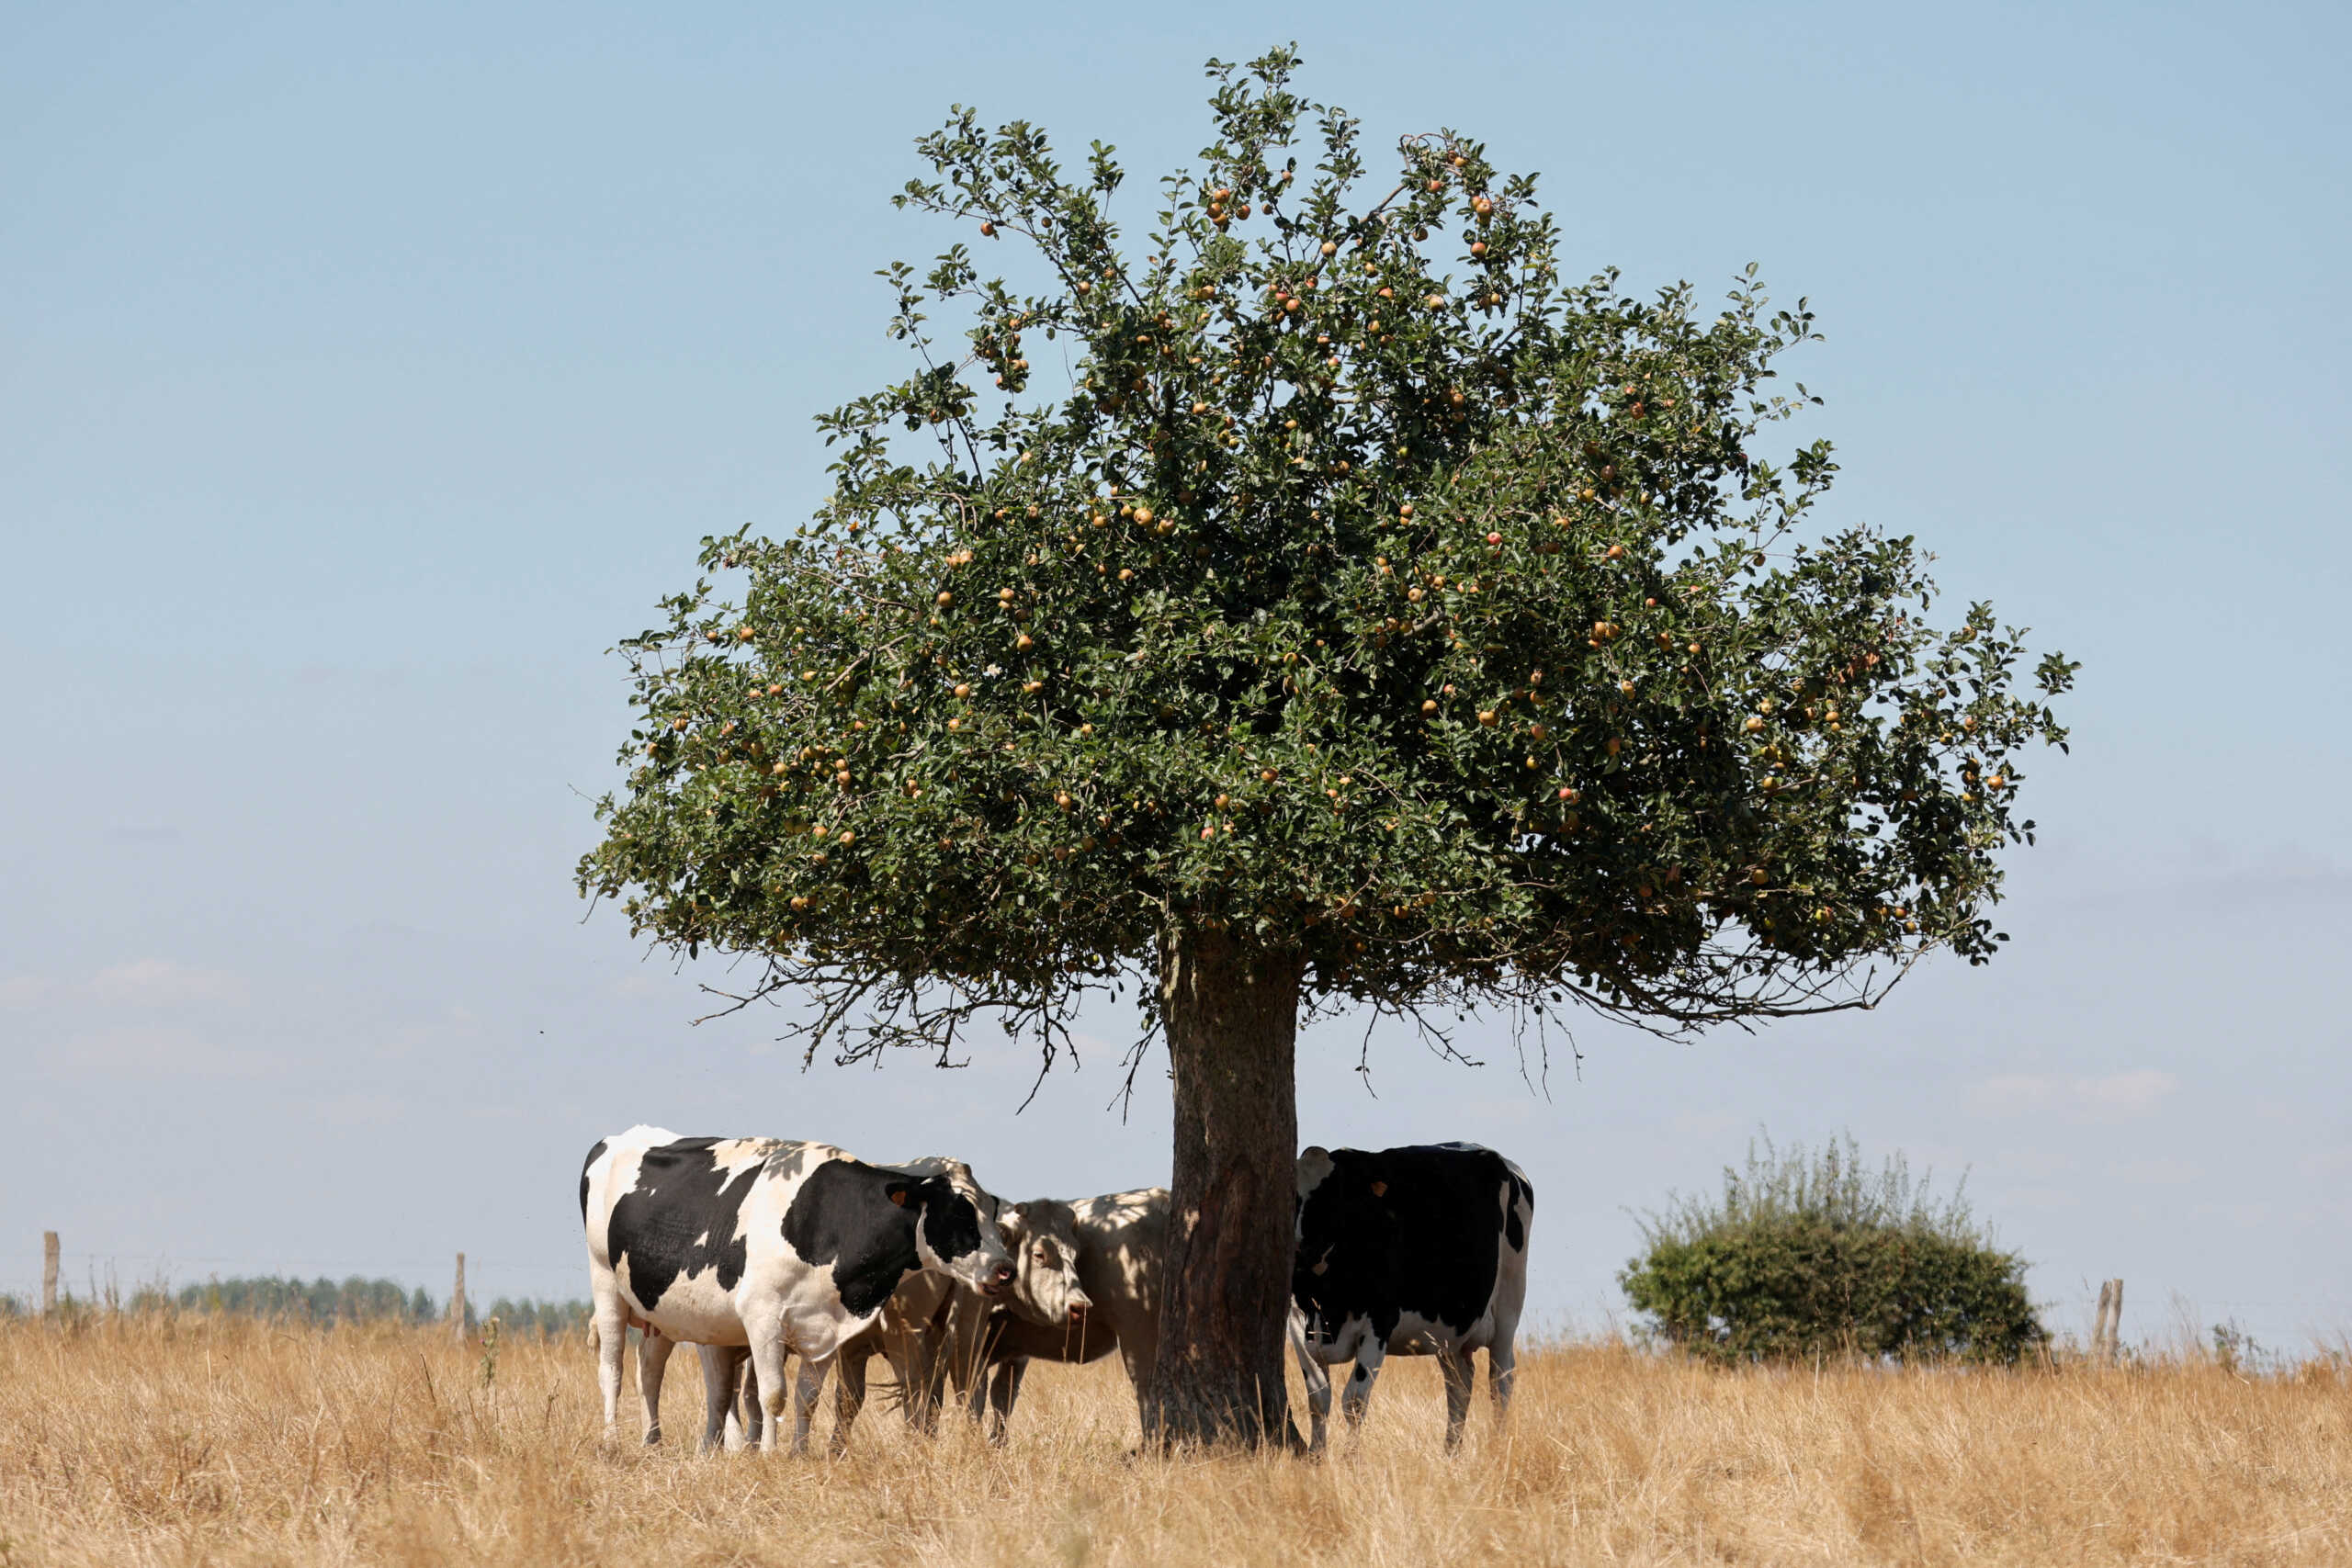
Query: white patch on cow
(1315, 1163)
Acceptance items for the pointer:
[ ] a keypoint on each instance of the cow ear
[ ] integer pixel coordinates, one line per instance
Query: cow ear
(897, 1191)
(1314, 1164)
(1021, 1210)
(1380, 1189)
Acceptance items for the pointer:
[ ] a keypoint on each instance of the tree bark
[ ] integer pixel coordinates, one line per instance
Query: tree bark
(1231, 1015)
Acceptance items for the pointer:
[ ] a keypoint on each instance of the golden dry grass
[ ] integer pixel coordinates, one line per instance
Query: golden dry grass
(185, 1440)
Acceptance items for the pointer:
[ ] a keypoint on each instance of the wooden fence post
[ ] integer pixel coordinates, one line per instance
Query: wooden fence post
(48, 1274)
(457, 1302)
(2106, 1335)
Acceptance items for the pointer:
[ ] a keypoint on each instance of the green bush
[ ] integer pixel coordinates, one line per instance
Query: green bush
(1808, 1255)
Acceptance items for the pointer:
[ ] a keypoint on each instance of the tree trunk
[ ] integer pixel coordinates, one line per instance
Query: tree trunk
(1232, 1021)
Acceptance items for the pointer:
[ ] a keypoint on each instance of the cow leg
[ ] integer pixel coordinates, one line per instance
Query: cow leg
(966, 1351)
(1502, 1370)
(1358, 1397)
(752, 1419)
(1311, 1371)
(722, 1365)
(804, 1398)
(1460, 1376)
(1317, 1378)
(976, 1402)
(921, 1371)
(653, 1358)
(653, 1351)
(612, 1344)
(1004, 1390)
(1137, 1359)
(767, 1384)
(931, 1362)
(849, 1396)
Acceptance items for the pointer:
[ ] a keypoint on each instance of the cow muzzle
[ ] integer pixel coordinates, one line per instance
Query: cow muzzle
(999, 1280)
(1079, 1307)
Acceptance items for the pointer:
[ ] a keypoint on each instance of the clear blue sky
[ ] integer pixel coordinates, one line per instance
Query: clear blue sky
(364, 375)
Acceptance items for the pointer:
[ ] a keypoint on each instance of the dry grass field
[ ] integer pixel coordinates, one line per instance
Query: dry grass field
(190, 1440)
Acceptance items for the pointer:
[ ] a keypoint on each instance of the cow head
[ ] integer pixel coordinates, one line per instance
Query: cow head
(955, 1233)
(1042, 1234)
(1331, 1198)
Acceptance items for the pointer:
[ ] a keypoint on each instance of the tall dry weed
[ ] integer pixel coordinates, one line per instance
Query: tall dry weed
(183, 1440)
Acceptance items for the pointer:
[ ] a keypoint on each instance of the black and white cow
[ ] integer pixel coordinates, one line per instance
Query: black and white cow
(1117, 1241)
(765, 1244)
(1414, 1251)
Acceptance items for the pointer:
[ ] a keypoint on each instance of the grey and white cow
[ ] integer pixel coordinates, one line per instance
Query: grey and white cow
(1414, 1251)
(765, 1243)
(932, 1327)
(1121, 1239)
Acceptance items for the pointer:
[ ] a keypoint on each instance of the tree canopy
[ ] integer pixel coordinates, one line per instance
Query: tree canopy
(1346, 579)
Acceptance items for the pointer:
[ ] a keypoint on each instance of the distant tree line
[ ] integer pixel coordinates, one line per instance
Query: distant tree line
(330, 1301)
(547, 1319)
(355, 1300)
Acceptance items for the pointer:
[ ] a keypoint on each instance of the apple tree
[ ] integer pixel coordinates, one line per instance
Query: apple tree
(1347, 608)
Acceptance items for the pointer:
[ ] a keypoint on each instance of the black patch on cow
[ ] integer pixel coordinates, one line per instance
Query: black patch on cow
(679, 1218)
(1514, 1233)
(950, 1223)
(844, 1215)
(1428, 1243)
(594, 1154)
